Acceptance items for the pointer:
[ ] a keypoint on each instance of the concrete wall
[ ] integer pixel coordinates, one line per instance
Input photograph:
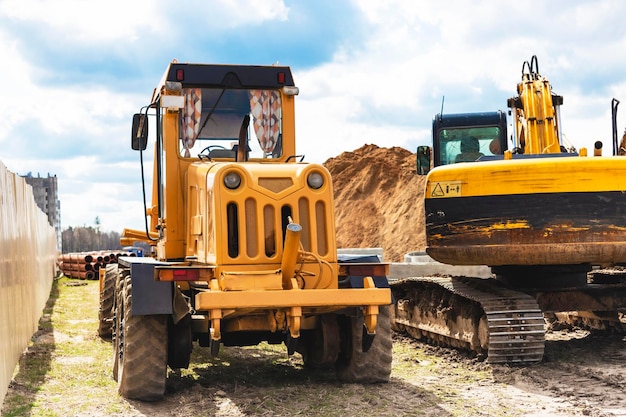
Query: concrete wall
(27, 267)
(419, 264)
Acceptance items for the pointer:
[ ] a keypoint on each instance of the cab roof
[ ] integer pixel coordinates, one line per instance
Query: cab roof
(233, 76)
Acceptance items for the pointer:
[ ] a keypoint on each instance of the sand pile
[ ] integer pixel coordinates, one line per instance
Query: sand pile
(378, 200)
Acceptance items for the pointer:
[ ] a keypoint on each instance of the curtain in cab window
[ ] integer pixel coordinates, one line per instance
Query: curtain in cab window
(191, 117)
(266, 113)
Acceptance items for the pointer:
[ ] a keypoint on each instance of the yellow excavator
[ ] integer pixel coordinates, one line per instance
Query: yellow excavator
(545, 218)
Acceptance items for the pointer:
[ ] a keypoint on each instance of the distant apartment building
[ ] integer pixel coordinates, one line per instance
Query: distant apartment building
(47, 198)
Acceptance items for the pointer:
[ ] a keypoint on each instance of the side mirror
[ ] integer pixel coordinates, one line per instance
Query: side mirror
(423, 160)
(139, 135)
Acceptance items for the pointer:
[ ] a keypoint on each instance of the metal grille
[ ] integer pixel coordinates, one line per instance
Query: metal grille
(257, 231)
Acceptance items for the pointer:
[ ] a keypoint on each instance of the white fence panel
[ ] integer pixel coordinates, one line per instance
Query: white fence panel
(27, 267)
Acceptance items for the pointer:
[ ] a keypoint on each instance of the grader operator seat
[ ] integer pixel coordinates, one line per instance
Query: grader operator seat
(218, 151)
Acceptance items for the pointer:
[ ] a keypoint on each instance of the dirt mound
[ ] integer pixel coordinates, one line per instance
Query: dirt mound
(378, 200)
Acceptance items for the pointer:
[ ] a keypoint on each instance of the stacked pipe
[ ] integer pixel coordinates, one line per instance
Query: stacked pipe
(85, 265)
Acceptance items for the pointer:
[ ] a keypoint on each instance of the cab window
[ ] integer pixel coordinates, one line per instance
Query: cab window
(212, 119)
(468, 144)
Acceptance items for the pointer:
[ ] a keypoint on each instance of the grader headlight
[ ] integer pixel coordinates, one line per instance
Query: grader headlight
(315, 180)
(232, 180)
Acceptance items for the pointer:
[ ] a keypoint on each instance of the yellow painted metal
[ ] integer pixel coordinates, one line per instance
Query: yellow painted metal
(175, 168)
(536, 175)
(101, 276)
(370, 312)
(294, 317)
(124, 241)
(290, 254)
(252, 280)
(216, 321)
(137, 235)
(536, 123)
(533, 176)
(27, 269)
(209, 300)
(173, 221)
(208, 199)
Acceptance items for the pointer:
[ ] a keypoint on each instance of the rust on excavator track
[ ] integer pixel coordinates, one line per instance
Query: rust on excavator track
(474, 313)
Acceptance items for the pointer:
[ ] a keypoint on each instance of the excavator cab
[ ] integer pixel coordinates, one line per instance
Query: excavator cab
(465, 137)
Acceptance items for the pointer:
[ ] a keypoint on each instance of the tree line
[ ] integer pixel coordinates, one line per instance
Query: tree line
(88, 239)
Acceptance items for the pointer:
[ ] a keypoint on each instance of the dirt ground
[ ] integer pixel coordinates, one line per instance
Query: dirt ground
(378, 201)
(582, 374)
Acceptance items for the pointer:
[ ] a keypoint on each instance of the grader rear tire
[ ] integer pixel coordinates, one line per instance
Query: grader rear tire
(118, 318)
(354, 365)
(320, 347)
(107, 295)
(141, 346)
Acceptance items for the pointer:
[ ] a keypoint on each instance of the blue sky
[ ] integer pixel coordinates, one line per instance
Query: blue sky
(73, 73)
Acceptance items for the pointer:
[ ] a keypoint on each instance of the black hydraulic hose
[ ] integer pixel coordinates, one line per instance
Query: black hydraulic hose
(532, 74)
(536, 61)
(145, 205)
(614, 104)
(524, 65)
(143, 184)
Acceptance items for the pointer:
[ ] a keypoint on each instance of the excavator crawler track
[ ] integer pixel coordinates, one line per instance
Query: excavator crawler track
(477, 313)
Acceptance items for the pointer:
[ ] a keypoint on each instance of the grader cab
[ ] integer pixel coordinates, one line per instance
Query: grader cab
(243, 237)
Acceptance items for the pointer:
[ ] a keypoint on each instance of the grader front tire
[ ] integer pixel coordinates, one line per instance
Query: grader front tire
(372, 366)
(141, 351)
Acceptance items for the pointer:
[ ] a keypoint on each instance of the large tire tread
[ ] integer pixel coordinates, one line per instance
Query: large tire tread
(142, 367)
(107, 296)
(373, 366)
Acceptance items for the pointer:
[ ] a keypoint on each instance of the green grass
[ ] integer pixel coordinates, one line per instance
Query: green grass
(65, 360)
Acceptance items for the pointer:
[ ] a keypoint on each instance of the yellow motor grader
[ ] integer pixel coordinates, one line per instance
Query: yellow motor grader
(243, 238)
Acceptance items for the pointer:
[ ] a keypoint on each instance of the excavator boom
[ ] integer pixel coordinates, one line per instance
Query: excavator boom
(536, 113)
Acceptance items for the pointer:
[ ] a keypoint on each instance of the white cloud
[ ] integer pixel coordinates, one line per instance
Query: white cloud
(231, 13)
(469, 52)
(88, 21)
(16, 85)
(382, 85)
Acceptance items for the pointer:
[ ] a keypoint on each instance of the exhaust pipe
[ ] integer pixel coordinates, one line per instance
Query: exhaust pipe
(614, 104)
(290, 253)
